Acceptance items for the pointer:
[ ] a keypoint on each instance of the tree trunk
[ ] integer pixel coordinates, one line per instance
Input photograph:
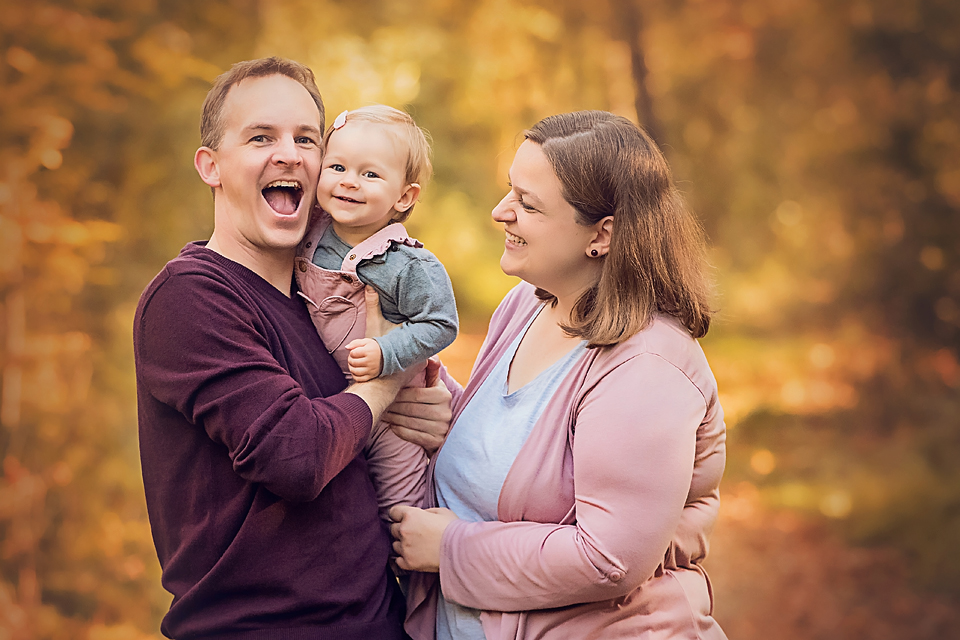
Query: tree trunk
(627, 26)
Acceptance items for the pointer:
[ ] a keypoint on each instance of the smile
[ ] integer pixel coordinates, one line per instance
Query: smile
(283, 196)
(515, 239)
(347, 199)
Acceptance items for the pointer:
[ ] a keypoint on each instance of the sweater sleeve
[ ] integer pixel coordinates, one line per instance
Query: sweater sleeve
(425, 299)
(634, 454)
(202, 353)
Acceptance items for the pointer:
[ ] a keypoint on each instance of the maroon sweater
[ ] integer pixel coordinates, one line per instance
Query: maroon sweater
(263, 515)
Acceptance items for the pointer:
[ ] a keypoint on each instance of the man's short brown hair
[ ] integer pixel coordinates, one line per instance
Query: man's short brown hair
(211, 122)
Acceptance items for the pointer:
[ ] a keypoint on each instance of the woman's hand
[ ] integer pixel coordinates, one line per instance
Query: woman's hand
(417, 534)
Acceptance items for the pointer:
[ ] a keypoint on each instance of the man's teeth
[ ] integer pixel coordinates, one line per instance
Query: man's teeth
(515, 239)
(292, 184)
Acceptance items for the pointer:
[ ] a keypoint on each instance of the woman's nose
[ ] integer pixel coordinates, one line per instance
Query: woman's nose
(503, 212)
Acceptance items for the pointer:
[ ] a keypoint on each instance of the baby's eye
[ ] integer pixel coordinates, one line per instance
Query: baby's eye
(337, 167)
(371, 174)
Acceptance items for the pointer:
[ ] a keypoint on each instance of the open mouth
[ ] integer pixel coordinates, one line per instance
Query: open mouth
(515, 239)
(283, 196)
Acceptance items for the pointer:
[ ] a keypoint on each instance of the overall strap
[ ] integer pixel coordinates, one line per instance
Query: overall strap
(378, 244)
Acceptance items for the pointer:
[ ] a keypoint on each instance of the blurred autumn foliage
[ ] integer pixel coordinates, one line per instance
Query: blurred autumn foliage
(818, 140)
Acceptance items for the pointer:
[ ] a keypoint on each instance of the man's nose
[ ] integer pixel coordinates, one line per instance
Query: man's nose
(287, 152)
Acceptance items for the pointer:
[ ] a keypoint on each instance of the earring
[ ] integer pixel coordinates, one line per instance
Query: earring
(594, 253)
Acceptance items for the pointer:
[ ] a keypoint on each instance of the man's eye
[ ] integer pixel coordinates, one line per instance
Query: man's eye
(305, 140)
(259, 138)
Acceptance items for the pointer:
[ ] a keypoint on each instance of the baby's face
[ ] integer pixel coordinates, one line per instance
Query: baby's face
(362, 180)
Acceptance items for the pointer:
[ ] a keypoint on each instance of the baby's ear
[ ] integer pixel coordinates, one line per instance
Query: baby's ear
(408, 198)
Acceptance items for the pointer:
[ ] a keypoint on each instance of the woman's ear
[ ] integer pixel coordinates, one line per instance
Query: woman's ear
(408, 198)
(205, 160)
(600, 244)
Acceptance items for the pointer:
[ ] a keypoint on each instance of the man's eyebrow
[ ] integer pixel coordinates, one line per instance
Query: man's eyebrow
(310, 129)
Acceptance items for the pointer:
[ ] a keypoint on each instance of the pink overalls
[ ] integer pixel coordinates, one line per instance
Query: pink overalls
(336, 305)
(335, 298)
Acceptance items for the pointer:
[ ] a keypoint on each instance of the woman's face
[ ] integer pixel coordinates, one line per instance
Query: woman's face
(545, 245)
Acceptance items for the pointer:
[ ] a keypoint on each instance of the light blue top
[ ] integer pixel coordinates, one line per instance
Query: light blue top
(478, 453)
(415, 292)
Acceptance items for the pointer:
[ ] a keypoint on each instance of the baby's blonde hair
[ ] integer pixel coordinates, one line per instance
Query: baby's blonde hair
(418, 168)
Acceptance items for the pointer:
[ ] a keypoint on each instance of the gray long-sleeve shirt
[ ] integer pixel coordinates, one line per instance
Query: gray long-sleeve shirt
(415, 292)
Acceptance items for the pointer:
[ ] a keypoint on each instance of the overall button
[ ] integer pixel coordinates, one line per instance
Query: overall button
(303, 266)
(346, 278)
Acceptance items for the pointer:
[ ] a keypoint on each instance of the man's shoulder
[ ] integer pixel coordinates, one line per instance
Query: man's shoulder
(193, 274)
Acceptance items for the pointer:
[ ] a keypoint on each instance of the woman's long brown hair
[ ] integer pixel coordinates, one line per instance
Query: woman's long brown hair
(609, 166)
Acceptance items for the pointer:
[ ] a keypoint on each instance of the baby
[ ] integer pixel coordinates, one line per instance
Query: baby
(374, 162)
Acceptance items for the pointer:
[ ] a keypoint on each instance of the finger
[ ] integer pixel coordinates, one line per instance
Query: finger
(403, 564)
(374, 317)
(412, 412)
(433, 372)
(433, 419)
(428, 441)
(398, 512)
(424, 395)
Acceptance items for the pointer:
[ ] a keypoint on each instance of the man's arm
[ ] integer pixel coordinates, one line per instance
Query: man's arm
(204, 354)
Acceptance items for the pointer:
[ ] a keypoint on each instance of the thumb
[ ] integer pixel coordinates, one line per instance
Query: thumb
(396, 513)
(371, 300)
(433, 372)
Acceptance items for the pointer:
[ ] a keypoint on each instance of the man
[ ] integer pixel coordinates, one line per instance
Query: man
(263, 515)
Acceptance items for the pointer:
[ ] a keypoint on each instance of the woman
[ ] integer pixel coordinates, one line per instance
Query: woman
(582, 467)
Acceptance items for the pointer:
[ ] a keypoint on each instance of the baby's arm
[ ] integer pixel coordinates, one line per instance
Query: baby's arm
(425, 299)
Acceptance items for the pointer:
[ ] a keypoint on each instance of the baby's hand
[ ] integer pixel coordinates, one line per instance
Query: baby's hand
(365, 360)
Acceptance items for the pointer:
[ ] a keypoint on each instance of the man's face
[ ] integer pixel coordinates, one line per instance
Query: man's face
(266, 168)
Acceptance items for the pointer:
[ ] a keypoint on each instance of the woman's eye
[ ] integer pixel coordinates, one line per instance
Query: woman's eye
(526, 207)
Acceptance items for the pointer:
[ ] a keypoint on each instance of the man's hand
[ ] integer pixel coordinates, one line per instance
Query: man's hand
(421, 415)
(377, 325)
(365, 360)
(417, 534)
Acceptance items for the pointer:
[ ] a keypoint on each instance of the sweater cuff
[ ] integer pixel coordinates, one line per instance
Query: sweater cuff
(357, 412)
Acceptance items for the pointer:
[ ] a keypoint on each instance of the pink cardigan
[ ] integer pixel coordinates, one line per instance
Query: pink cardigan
(604, 515)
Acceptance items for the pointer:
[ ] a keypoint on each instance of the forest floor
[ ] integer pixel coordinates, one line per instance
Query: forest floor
(778, 576)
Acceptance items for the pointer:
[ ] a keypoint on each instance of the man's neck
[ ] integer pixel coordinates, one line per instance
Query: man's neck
(276, 267)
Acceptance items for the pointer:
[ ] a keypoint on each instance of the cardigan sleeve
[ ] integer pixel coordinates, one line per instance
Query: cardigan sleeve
(202, 353)
(633, 453)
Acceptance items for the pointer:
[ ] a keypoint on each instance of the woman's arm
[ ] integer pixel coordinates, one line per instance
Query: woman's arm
(634, 451)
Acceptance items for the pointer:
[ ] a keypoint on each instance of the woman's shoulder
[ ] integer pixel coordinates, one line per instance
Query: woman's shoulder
(666, 340)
